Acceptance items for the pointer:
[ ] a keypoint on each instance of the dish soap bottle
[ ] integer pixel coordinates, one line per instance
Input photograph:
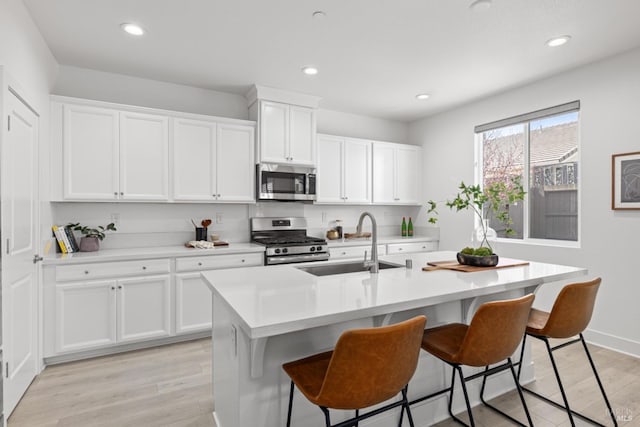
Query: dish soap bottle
(410, 228)
(404, 227)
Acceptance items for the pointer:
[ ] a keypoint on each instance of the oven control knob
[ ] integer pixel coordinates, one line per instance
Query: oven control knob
(277, 251)
(319, 248)
(312, 248)
(285, 250)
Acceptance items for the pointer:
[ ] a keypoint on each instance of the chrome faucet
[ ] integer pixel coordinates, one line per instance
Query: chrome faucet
(373, 263)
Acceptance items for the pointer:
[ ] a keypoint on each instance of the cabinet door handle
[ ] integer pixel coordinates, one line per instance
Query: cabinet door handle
(86, 272)
(242, 260)
(343, 253)
(119, 286)
(113, 288)
(399, 249)
(218, 195)
(115, 193)
(199, 264)
(144, 267)
(121, 193)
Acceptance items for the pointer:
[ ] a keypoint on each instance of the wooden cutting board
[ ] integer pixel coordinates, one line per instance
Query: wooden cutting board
(454, 265)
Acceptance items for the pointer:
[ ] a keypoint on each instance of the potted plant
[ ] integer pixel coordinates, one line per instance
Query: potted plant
(494, 199)
(91, 236)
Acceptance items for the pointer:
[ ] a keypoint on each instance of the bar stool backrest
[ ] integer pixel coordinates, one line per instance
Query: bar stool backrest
(371, 365)
(572, 310)
(495, 331)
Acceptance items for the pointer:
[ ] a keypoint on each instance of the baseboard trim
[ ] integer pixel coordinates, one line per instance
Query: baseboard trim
(87, 354)
(613, 342)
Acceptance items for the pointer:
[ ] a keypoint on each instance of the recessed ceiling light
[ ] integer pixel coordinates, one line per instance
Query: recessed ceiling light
(558, 41)
(133, 29)
(480, 5)
(318, 14)
(310, 70)
(422, 96)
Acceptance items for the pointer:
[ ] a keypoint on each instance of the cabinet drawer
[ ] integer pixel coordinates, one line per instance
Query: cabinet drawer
(213, 262)
(354, 251)
(111, 269)
(397, 248)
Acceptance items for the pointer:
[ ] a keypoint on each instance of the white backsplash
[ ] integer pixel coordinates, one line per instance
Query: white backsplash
(166, 224)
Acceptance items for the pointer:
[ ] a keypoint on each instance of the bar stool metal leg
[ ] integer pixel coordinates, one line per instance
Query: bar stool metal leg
(595, 373)
(566, 407)
(509, 364)
(290, 405)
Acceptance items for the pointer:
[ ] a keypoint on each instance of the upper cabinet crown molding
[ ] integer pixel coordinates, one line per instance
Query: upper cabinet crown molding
(147, 110)
(258, 92)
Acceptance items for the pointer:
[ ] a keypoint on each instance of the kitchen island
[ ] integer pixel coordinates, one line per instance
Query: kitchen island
(265, 316)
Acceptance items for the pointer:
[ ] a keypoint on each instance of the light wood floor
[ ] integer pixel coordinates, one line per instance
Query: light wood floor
(171, 386)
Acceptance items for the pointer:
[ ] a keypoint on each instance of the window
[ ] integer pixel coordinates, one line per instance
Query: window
(541, 148)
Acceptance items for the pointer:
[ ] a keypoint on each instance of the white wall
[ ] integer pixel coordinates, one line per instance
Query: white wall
(609, 92)
(357, 126)
(122, 89)
(27, 59)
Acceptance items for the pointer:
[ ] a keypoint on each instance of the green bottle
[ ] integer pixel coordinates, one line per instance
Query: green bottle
(404, 228)
(410, 228)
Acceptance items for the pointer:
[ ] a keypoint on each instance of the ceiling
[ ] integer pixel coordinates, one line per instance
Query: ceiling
(373, 56)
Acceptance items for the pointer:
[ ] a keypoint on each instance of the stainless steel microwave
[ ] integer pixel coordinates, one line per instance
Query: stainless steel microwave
(285, 183)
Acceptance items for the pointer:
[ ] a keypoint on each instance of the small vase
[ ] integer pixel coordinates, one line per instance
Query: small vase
(89, 244)
(479, 238)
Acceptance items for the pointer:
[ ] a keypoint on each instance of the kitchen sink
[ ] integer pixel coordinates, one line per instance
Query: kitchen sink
(346, 267)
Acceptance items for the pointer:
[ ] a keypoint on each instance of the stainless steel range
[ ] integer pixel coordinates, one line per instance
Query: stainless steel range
(287, 241)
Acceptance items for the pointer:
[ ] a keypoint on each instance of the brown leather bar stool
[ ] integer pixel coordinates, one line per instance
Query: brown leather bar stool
(492, 337)
(569, 316)
(367, 367)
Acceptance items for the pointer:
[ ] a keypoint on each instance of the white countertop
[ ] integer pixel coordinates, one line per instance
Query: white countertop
(275, 300)
(146, 253)
(381, 241)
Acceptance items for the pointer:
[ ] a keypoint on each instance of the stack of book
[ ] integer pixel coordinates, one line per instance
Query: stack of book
(66, 240)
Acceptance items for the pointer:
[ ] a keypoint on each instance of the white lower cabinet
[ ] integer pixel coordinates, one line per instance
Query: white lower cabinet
(103, 313)
(193, 296)
(85, 315)
(193, 303)
(144, 308)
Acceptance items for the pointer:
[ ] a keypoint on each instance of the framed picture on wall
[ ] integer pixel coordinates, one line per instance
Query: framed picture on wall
(625, 181)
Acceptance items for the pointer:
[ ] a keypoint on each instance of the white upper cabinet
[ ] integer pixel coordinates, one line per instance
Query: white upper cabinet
(397, 175)
(213, 161)
(90, 147)
(344, 170)
(357, 171)
(144, 152)
(235, 165)
(274, 132)
(287, 134)
(302, 135)
(112, 155)
(103, 152)
(194, 145)
(329, 187)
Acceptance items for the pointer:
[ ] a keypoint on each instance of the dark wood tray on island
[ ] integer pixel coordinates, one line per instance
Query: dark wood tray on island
(456, 266)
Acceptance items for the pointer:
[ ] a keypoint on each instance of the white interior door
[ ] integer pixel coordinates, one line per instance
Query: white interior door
(19, 217)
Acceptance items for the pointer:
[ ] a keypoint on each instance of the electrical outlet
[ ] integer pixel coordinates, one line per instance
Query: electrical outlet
(115, 219)
(324, 218)
(218, 218)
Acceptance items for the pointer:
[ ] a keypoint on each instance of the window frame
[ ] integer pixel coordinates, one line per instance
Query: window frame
(525, 120)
